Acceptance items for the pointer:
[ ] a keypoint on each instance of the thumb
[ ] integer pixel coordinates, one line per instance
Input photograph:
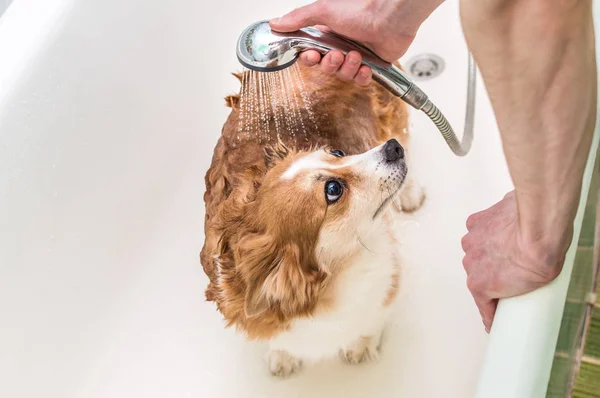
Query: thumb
(302, 17)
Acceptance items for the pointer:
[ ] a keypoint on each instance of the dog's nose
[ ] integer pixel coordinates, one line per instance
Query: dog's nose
(393, 151)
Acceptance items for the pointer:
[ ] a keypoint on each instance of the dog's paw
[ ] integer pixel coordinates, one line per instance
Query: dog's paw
(282, 364)
(363, 350)
(412, 196)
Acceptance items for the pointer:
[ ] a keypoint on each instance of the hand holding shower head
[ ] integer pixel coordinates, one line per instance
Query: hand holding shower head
(261, 49)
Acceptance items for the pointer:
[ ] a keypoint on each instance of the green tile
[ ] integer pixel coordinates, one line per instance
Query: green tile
(592, 341)
(587, 384)
(570, 328)
(559, 377)
(581, 278)
(588, 227)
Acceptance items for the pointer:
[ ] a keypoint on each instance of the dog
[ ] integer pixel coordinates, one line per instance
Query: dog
(299, 245)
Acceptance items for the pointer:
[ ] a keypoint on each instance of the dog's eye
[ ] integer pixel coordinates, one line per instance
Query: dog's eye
(333, 191)
(338, 153)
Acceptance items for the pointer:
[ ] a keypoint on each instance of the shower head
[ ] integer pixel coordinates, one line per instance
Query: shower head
(261, 49)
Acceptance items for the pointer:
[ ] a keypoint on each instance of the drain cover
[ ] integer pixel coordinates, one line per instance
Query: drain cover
(425, 66)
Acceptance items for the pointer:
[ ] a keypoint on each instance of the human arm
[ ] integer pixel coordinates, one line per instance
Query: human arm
(537, 60)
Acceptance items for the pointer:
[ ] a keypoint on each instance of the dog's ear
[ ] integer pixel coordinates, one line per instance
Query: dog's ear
(276, 152)
(233, 101)
(277, 280)
(254, 258)
(294, 286)
(238, 75)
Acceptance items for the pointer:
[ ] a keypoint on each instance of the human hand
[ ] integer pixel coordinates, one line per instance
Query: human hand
(387, 27)
(499, 263)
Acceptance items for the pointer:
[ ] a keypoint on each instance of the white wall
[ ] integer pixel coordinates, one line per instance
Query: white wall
(4, 5)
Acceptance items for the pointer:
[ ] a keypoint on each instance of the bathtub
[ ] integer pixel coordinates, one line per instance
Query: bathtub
(109, 111)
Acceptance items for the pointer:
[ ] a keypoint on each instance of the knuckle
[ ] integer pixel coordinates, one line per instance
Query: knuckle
(464, 242)
(467, 263)
(474, 284)
(471, 220)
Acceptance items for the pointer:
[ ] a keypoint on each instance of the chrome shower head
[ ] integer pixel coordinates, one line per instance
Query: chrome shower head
(262, 49)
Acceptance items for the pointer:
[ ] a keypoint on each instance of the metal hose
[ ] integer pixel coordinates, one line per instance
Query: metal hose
(460, 148)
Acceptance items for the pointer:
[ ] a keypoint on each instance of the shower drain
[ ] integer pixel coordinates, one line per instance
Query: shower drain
(425, 66)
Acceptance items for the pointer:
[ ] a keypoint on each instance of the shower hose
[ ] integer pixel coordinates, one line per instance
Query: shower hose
(460, 148)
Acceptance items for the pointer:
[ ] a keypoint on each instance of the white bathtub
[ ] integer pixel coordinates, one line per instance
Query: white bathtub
(109, 111)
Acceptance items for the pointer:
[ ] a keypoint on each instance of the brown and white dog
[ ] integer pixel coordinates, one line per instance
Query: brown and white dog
(299, 245)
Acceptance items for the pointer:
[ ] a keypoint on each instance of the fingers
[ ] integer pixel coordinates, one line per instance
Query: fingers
(350, 67)
(302, 17)
(487, 310)
(491, 258)
(310, 58)
(485, 304)
(473, 219)
(466, 243)
(331, 62)
(364, 76)
(347, 67)
(478, 283)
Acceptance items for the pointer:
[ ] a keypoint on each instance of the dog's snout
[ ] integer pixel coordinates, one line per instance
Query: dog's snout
(393, 151)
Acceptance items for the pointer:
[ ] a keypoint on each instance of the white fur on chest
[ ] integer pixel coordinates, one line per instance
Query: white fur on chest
(359, 310)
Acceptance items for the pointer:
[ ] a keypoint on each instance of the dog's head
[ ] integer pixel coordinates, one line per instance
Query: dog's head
(285, 234)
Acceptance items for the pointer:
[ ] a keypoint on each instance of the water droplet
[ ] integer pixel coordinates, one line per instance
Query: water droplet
(275, 100)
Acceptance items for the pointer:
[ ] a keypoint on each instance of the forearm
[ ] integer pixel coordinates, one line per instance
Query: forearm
(538, 62)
